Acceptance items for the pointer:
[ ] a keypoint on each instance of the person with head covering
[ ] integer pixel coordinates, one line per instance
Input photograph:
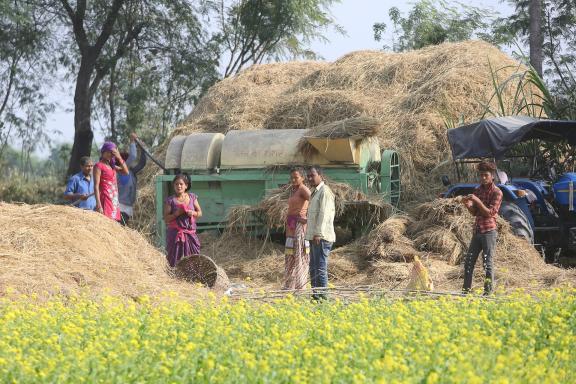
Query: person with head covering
(105, 183)
(127, 184)
(180, 214)
(297, 251)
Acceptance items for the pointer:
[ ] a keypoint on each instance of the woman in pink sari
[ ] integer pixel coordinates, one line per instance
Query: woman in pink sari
(297, 251)
(105, 184)
(180, 214)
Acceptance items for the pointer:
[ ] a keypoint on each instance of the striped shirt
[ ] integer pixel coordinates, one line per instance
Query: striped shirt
(491, 196)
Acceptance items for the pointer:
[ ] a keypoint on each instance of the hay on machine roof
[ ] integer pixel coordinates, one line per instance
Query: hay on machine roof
(354, 127)
(245, 100)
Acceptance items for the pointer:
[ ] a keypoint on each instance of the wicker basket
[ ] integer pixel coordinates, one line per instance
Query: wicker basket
(202, 269)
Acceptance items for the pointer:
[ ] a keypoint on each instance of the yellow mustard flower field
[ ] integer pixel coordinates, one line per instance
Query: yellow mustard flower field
(517, 338)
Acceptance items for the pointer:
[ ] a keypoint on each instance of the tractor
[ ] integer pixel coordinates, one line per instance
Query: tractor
(538, 203)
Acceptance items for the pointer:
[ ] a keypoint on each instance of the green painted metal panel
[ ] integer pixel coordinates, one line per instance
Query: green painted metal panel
(218, 192)
(390, 176)
(161, 194)
(210, 198)
(240, 192)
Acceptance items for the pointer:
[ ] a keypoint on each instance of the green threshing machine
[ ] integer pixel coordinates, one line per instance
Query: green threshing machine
(240, 167)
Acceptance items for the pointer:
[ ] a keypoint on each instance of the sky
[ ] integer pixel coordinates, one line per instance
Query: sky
(356, 17)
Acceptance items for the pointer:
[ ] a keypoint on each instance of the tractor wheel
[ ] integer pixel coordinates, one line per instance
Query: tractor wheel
(517, 219)
(552, 255)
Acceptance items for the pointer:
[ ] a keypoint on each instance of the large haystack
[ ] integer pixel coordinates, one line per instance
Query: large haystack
(57, 249)
(414, 94)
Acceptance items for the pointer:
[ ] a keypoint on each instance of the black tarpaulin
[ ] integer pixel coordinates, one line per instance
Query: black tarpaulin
(493, 137)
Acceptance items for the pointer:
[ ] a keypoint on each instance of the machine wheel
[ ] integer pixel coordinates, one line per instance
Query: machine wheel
(517, 219)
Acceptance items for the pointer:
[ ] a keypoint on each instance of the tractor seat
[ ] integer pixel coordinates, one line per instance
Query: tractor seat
(502, 176)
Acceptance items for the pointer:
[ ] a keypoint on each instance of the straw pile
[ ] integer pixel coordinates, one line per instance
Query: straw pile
(412, 94)
(442, 242)
(57, 249)
(438, 233)
(259, 263)
(360, 127)
(443, 228)
(384, 257)
(273, 209)
(388, 241)
(240, 218)
(256, 262)
(245, 101)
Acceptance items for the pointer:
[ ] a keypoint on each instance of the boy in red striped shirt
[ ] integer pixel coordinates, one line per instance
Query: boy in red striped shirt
(484, 203)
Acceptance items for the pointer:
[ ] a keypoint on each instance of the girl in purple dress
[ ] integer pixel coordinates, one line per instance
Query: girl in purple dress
(180, 214)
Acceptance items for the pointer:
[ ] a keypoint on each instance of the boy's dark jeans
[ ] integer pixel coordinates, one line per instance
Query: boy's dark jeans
(485, 243)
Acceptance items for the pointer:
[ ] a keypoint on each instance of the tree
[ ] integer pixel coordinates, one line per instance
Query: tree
(99, 47)
(558, 29)
(535, 12)
(432, 22)
(254, 30)
(153, 87)
(98, 35)
(24, 71)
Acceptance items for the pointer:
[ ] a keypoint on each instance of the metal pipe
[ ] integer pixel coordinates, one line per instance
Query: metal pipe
(147, 153)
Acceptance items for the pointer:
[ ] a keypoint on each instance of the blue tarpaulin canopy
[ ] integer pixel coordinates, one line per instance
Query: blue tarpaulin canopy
(494, 136)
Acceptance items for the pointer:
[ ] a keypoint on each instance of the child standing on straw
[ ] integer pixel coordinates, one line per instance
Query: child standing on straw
(484, 203)
(297, 256)
(105, 184)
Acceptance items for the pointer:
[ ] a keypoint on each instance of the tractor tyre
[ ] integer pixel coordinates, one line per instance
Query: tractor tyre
(517, 219)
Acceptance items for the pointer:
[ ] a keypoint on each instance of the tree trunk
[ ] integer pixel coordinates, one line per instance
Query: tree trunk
(111, 104)
(536, 37)
(83, 134)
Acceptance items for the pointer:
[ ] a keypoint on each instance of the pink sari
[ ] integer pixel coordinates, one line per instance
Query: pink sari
(108, 188)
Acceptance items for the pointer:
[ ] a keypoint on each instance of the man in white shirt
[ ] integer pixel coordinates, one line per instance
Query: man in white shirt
(320, 231)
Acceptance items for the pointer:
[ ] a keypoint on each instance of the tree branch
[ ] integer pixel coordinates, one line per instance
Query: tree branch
(102, 70)
(553, 53)
(247, 44)
(234, 47)
(258, 58)
(69, 10)
(108, 26)
(10, 84)
(81, 9)
(77, 20)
